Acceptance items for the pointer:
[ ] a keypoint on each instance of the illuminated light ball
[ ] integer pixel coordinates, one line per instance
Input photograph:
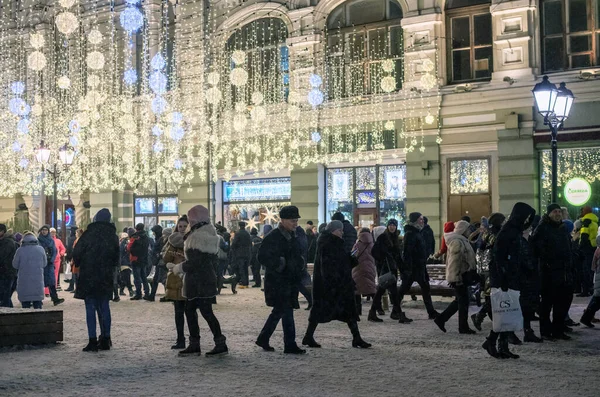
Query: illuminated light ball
(156, 130)
(294, 97)
(177, 133)
(37, 40)
(428, 65)
(315, 136)
(422, 149)
(315, 80)
(239, 122)
(93, 81)
(23, 126)
(258, 114)
(83, 119)
(158, 82)
(238, 77)
(158, 105)
(389, 125)
(126, 106)
(23, 163)
(16, 146)
(293, 112)
(178, 164)
(428, 81)
(93, 99)
(413, 142)
(388, 84)
(17, 87)
(95, 115)
(388, 66)
(36, 61)
(213, 95)
(19, 107)
(67, 3)
(158, 147)
(37, 110)
(127, 122)
(66, 22)
(64, 83)
(158, 61)
(213, 78)
(74, 141)
(130, 77)
(131, 19)
(74, 126)
(240, 107)
(95, 37)
(315, 97)
(257, 97)
(176, 117)
(429, 119)
(438, 140)
(238, 57)
(95, 60)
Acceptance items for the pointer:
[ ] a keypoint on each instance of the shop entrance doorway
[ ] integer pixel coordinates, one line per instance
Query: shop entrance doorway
(365, 217)
(473, 205)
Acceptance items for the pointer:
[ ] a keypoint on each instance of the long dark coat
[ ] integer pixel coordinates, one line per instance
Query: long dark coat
(530, 277)
(551, 244)
(138, 248)
(201, 246)
(387, 251)
(97, 255)
(333, 286)
(281, 255)
(8, 248)
(241, 246)
(47, 243)
(415, 254)
(429, 238)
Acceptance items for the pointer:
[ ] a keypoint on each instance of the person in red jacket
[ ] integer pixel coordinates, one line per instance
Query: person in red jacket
(448, 228)
(61, 252)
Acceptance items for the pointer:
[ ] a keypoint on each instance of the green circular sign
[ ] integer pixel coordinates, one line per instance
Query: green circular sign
(577, 191)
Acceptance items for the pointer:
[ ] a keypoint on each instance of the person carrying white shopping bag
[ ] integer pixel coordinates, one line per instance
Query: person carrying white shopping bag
(507, 258)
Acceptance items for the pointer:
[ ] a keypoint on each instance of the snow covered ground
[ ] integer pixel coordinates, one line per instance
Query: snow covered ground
(407, 360)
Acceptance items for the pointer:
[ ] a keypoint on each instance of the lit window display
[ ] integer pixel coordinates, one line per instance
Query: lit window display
(156, 210)
(578, 179)
(367, 195)
(256, 202)
(469, 176)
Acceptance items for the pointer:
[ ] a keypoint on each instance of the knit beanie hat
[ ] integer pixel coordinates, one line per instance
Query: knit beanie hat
(338, 216)
(552, 207)
(139, 227)
(334, 225)
(569, 225)
(392, 222)
(461, 227)
(198, 214)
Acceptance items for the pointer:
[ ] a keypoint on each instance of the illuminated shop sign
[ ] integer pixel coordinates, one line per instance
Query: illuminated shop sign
(577, 191)
(257, 190)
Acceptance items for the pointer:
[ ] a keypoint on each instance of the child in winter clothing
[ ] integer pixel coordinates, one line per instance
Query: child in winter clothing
(30, 260)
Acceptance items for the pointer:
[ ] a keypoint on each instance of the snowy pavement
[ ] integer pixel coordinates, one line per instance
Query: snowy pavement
(406, 360)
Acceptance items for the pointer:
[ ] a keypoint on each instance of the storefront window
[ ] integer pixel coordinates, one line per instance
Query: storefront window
(367, 195)
(156, 210)
(256, 202)
(469, 176)
(572, 164)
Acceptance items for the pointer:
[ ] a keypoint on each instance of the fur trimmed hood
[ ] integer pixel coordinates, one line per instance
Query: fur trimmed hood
(203, 239)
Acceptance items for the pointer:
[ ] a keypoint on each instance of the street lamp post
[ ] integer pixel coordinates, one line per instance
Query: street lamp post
(554, 105)
(66, 157)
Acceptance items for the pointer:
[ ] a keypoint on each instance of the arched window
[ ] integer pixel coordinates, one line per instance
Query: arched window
(361, 34)
(267, 59)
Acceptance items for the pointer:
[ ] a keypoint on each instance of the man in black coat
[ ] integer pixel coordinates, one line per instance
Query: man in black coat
(8, 274)
(415, 262)
(160, 270)
(138, 254)
(241, 251)
(429, 237)
(281, 255)
(552, 246)
(508, 255)
(350, 235)
(97, 255)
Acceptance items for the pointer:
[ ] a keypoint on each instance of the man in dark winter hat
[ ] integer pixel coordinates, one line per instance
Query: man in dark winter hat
(350, 235)
(138, 256)
(415, 262)
(281, 255)
(8, 274)
(241, 253)
(160, 270)
(47, 243)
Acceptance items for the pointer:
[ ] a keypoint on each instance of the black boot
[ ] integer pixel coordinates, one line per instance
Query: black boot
(477, 320)
(131, 292)
(503, 351)
(310, 341)
(373, 317)
(192, 349)
(490, 344)
(530, 337)
(359, 343)
(294, 350)
(433, 315)
(58, 301)
(92, 345)
(440, 323)
(220, 347)
(403, 319)
(180, 344)
(104, 343)
(264, 344)
(587, 318)
(514, 339)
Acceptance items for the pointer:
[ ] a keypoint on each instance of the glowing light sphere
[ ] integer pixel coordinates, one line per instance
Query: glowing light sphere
(177, 164)
(66, 23)
(294, 97)
(238, 77)
(388, 84)
(177, 133)
(388, 66)
(23, 126)
(213, 78)
(19, 107)
(158, 105)
(67, 3)
(83, 119)
(158, 82)
(74, 126)
(158, 61)
(213, 95)
(257, 97)
(258, 114)
(293, 113)
(16, 146)
(176, 117)
(240, 107)
(127, 122)
(315, 97)
(126, 106)
(64, 83)
(95, 60)
(130, 77)
(315, 80)
(74, 141)
(238, 57)
(94, 99)
(429, 119)
(23, 163)
(95, 37)
(428, 81)
(428, 65)
(36, 61)
(93, 81)
(389, 125)
(158, 147)
(17, 88)
(315, 137)
(37, 40)
(239, 122)
(156, 130)
(438, 140)
(131, 19)
(37, 110)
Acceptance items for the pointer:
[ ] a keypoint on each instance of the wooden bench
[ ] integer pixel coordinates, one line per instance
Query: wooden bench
(30, 326)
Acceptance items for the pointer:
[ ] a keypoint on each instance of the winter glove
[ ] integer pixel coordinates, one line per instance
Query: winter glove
(170, 265)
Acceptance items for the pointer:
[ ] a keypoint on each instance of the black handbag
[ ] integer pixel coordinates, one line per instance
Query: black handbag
(388, 279)
(471, 277)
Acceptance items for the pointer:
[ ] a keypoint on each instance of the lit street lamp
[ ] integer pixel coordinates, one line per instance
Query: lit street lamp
(554, 104)
(66, 157)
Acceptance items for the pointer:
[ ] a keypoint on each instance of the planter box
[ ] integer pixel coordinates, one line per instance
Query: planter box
(30, 326)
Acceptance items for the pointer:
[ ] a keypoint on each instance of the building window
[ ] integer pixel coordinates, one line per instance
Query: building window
(156, 210)
(361, 34)
(267, 60)
(570, 30)
(469, 176)
(470, 54)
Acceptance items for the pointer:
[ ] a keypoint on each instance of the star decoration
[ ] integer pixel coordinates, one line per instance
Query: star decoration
(270, 216)
(251, 223)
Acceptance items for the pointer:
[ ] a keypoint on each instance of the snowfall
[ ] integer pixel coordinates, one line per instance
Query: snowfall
(406, 359)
